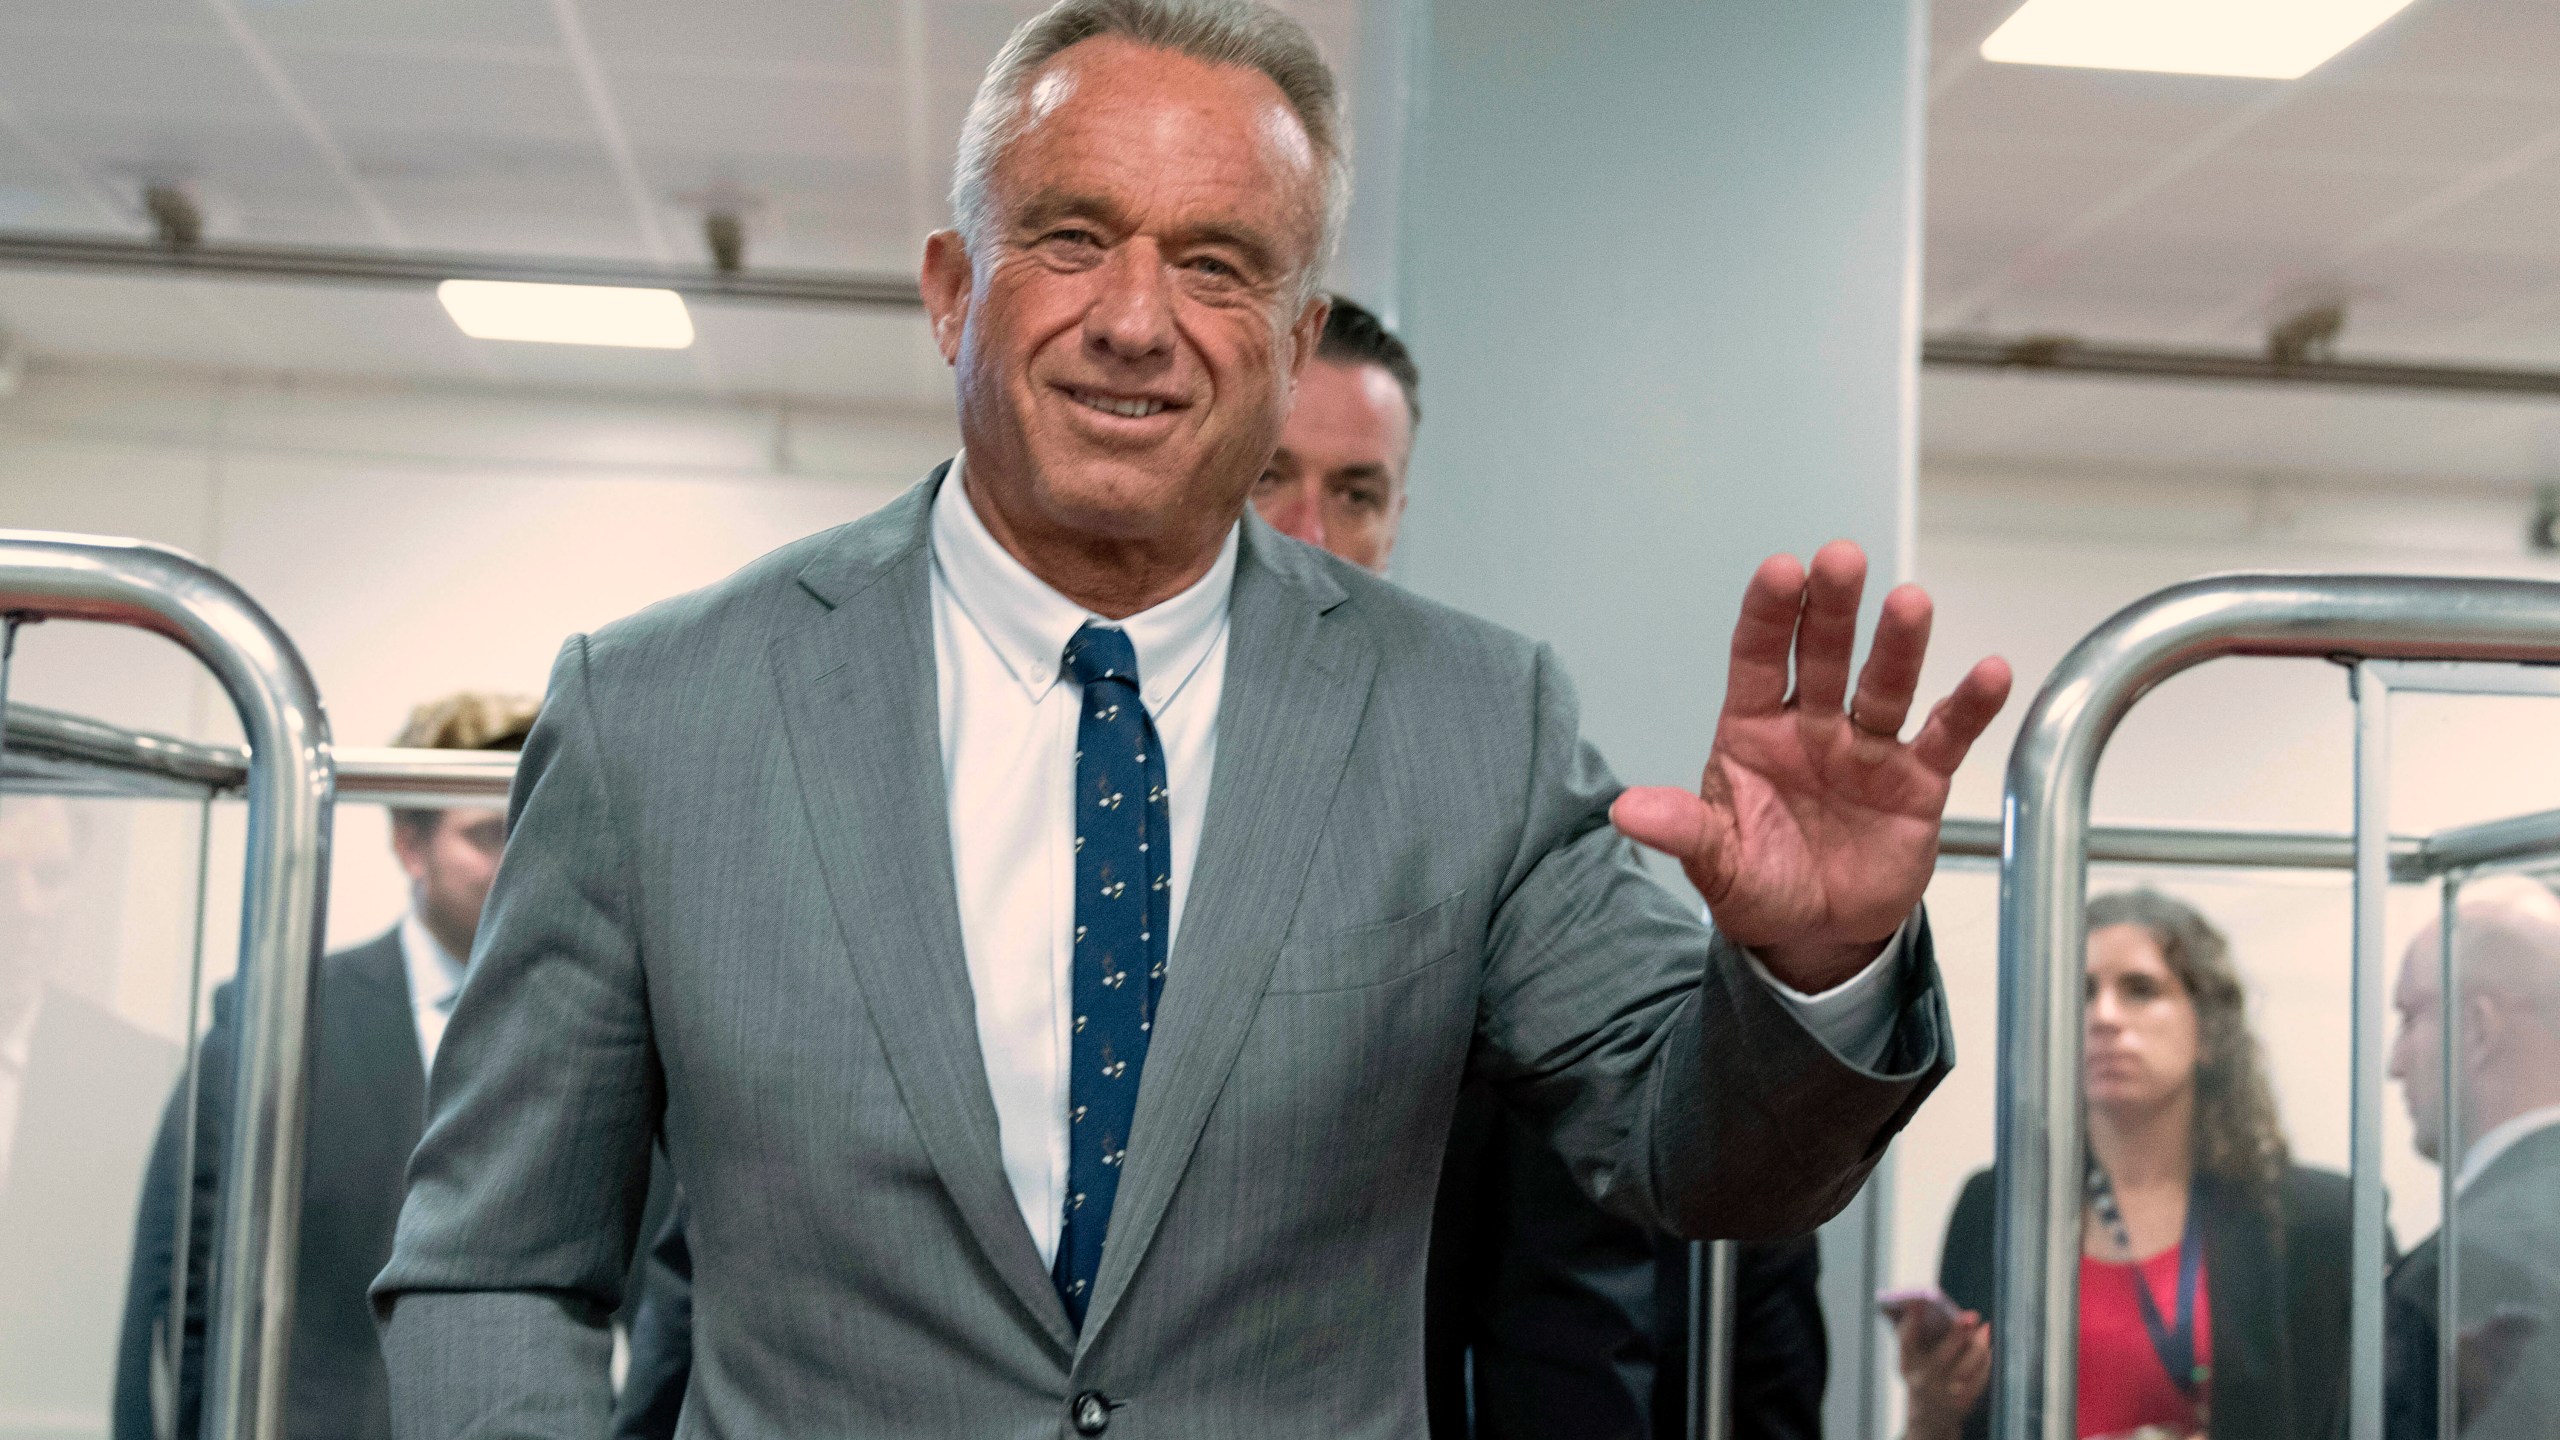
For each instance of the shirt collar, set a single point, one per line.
(1028, 624)
(434, 975)
(2487, 1150)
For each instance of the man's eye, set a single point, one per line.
(1213, 268)
(1270, 480)
(1071, 238)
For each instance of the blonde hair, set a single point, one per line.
(466, 720)
(469, 720)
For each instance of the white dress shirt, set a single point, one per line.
(1009, 721)
(435, 978)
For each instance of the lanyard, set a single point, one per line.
(2175, 1345)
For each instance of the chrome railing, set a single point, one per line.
(287, 778)
(2373, 624)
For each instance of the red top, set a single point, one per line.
(2123, 1386)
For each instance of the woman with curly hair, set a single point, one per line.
(2213, 1270)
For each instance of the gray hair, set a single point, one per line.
(1215, 32)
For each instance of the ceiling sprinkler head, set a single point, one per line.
(727, 237)
(174, 214)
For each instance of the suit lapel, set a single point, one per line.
(859, 706)
(382, 1034)
(2252, 1389)
(1297, 681)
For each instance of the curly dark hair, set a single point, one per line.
(2238, 1138)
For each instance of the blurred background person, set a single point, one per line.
(380, 1013)
(78, 1085)
(2506, 1151)
(2213, 1272)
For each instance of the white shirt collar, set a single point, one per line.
(2487, 1150)
(1028, 624)
(434, 975)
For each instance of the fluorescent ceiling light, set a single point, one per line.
(2268, 39)
(568, 314)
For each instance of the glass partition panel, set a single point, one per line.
(98, 943)
(2265, 1056)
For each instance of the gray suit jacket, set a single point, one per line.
(727, 915)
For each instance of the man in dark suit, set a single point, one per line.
(1547, 1316)
(78, 1086)
(2505, 1143)
(380, 1016)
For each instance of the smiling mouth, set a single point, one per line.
(1127, 407)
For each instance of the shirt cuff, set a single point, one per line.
(1854, 1018)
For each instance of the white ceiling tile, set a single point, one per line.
(836, 32)
(2070, 112)
(838, 116)
(421, 100)
(372, 23)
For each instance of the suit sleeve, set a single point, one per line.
(1682, 1093)
(661, 1337)
(147, 1285)
(527, 1188)
(144, 1335)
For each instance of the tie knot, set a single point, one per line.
(1099, 652)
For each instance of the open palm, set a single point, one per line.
(1815, 827)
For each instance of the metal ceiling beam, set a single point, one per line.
(24, 250)
(2062, 355)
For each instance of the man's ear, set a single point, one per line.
(945, 282)
(1306, 333)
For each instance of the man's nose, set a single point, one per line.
(1132, 317)
(1298, 513)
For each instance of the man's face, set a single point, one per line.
(450, 865)
(38, 854)
(1337, 480)
(1127, 330)
(2416, 1046)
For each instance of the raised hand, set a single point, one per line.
(1815, 828)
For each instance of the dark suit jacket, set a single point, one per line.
(367, 1104)
(76, 1154)
(1576, 1322)
(2278, 1288)
(2510, 1247)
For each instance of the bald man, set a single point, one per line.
(2505, 1145)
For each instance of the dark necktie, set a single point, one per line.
(1124, 902)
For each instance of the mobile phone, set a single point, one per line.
(1927, 1306)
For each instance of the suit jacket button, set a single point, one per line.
(1092, 1412)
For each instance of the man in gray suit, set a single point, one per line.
(1048, 920)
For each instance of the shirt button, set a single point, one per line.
(1092, 1412)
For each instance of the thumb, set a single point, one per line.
(1666, 818)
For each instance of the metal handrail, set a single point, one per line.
(2044, 887)
(289, 782)
(377, 775)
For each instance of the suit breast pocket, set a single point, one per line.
(1372, 954)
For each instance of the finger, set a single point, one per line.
(1828, 633)
(1892, 671)
(1668, 819)
(1762, 636)
(1961, 718)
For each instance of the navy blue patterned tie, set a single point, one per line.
(1124, 902)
